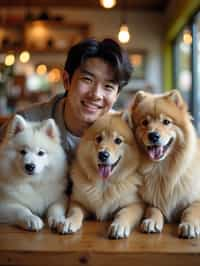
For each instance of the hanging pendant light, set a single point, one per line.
(124, 35)
(108, 3)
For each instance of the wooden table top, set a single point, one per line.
(90, 246)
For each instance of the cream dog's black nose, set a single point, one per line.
(103, 156)
(154, 137)
(30, 167)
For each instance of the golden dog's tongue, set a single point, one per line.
(156, 152)
(105, 170)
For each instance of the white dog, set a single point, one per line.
(32, 175)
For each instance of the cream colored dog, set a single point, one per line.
(32, 175)
(104, 178)
(170, 154)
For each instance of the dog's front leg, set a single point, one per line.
(17, 214)
(56, 213)
(74, 220)
(153, 222)
(125, 220)
(190, 221)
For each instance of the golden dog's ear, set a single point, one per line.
(137, 98)
(176, 98)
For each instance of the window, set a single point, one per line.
(186, 67)
(196, 70)
(183, 64)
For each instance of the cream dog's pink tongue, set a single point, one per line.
(156, 152)
(105, 170)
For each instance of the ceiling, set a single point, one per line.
(147, 5)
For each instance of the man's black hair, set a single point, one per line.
(108, 50)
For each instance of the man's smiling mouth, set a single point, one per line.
(91, 106)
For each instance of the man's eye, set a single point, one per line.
(109, 87)
(87, 79)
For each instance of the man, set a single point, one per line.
(94, 74)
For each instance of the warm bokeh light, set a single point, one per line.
(24, 57)
(37, 34)
(136, 59)
(9, 59)
(187, 37)
(41, 69)
(108, 3)
(54, 75)
(123, 34)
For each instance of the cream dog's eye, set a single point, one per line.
(145, 122)
(166, 122)
(23, 152)
(41, 153)
(118, 141)
(99, 139)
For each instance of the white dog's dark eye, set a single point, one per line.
(23, 152)
(41, 153)
(145, 122)
(99, 139)
(118, 141)
(166, 122)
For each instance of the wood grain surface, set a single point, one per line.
(90, 246)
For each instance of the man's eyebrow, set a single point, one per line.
(85, 71)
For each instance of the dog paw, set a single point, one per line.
(69, 226)
(31, 223)
(118, 230)
(188, 230)
(55, 221)
(151, 226)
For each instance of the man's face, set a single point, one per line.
(91, 92)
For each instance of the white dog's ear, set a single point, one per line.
(126, 116)
(18, 124)
(51, 130)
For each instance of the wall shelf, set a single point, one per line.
(41, 36)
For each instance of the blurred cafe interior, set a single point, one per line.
(162, 38)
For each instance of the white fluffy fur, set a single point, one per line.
(25, 197)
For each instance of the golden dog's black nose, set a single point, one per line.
(103, 156)
(154, 137)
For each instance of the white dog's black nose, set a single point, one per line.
(30, 167)
(154, 137)
(103, 156)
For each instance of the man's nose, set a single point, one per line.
(96, 91)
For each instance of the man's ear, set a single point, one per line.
(66, 80)
(117, 96)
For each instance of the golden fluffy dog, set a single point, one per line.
(104, 178)
(170, 162)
